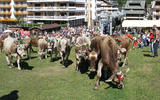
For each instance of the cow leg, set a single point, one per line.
(62, 58)
(68, 53)
(18, 63)
(77, 62)
(45, 53)
(125, 59)
(56, 53)
(51, 56)
(111, 78)
(39, 55)
(29, 52)
(99, 73)
(8, 61)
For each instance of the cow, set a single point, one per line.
(1, 45)
(42, 48)
(124, 48)
(81, 48)
(12, 49)
(27, 46)
(104, 49)
(53, 45)
(34, 42)
(65, 48)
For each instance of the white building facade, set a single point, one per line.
(70, 12)
(10, 10)
(155, 8)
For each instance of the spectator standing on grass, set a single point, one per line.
(155, 41)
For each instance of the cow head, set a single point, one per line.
(93, 56)
(20, 50)
(120, 52)
(50, 46)
(82, 51)
(120, 76)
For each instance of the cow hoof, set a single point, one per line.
(19, 68)
(96, 88)
(10, 67)
(120, 86)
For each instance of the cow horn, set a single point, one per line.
(125, 70)
(123, 50)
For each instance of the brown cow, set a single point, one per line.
(125, 46)
(27, 46)
(81, 48)
(106, 48)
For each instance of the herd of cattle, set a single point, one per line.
(102, 52)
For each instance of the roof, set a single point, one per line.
(47, 26)
(140, 4)
(140, 23)
(50, 26)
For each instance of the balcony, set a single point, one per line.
(20, 6)
(55, 8)
(56, 18)
(20, 13)
(5, 6)
(80, 1)
(5, 0)
(5, 13)
(19, 0)
(7, 19)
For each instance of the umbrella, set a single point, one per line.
(8, 31)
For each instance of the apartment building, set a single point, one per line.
(10, 10)
(135, 9)
(155, 8)
(110, 5)
(70, 12)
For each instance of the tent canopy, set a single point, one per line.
(140, 23)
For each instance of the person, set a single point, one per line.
(155, 41)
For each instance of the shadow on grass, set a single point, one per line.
(13, 95)
(148, 55)
(111, 85)
(31, 58)
(91, 75)
(146, 51)
(55, 59)
(66, 63)
(83, 66)
(24, 65)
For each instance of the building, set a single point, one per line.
(70, 12)
(155, 8)
(95, 10)
(135, 10)
(110, 5)
(11, 10)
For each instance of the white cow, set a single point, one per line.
(42, 48)
(65, 48)
(12, 49)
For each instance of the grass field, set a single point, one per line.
(44, 80)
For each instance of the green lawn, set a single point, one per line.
(50, 81)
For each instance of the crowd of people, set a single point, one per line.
(139, 36)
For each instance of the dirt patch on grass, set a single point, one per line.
(155, 83)
(49, 71)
